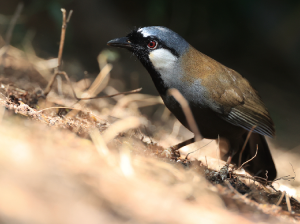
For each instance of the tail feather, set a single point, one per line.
(262, 165)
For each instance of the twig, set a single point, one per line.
(197, 149)
(291, 214)
(263, 180)
(249, 159)
(293, 171)
(69, 16)
(99, 143)
(86, 111)
(59, 85)
(250, 201)
(60, 52)
(66, 20)
(288, 202)
(100, 82)
(108, 96)
(255, 178)
(63, 35)
(280, 199)
(287, 177)
(244, 146)
(187, 112)
(267, 177)
(51, 82)
(48, 88)
(119, 127)
(49, 108)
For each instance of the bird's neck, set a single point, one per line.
(159, 83)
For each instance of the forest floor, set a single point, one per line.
(69, 161)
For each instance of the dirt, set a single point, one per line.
(127, 179)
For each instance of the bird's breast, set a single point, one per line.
(186, 73)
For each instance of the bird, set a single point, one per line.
(223, 103)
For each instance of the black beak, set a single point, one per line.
(122, 42)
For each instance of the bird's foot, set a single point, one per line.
(224, 172)
(171, 153)
(218, 176)
(166, 152)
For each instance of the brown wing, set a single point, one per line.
(239, 104)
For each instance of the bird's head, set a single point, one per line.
(157, 47)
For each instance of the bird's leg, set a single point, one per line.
(224, 170)
(228, 160)
(174, 149)
(182, 144)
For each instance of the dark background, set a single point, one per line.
(259, 39)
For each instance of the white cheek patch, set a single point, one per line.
(163, 60)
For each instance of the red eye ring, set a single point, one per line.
(152, 44)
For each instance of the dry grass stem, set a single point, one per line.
(94, 88)
(288, 202)
(99, 83)
(102, 78)
(245, 143)
(125, 161)
(60, 52)
(53, 78)
(121, 126)
(63, 35)
(249, 159)
(59, 85)
(198, 149)
(99, 142)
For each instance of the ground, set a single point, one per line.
(98, 164)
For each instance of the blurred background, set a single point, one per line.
(259, 39)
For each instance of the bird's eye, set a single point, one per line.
(152, 44)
